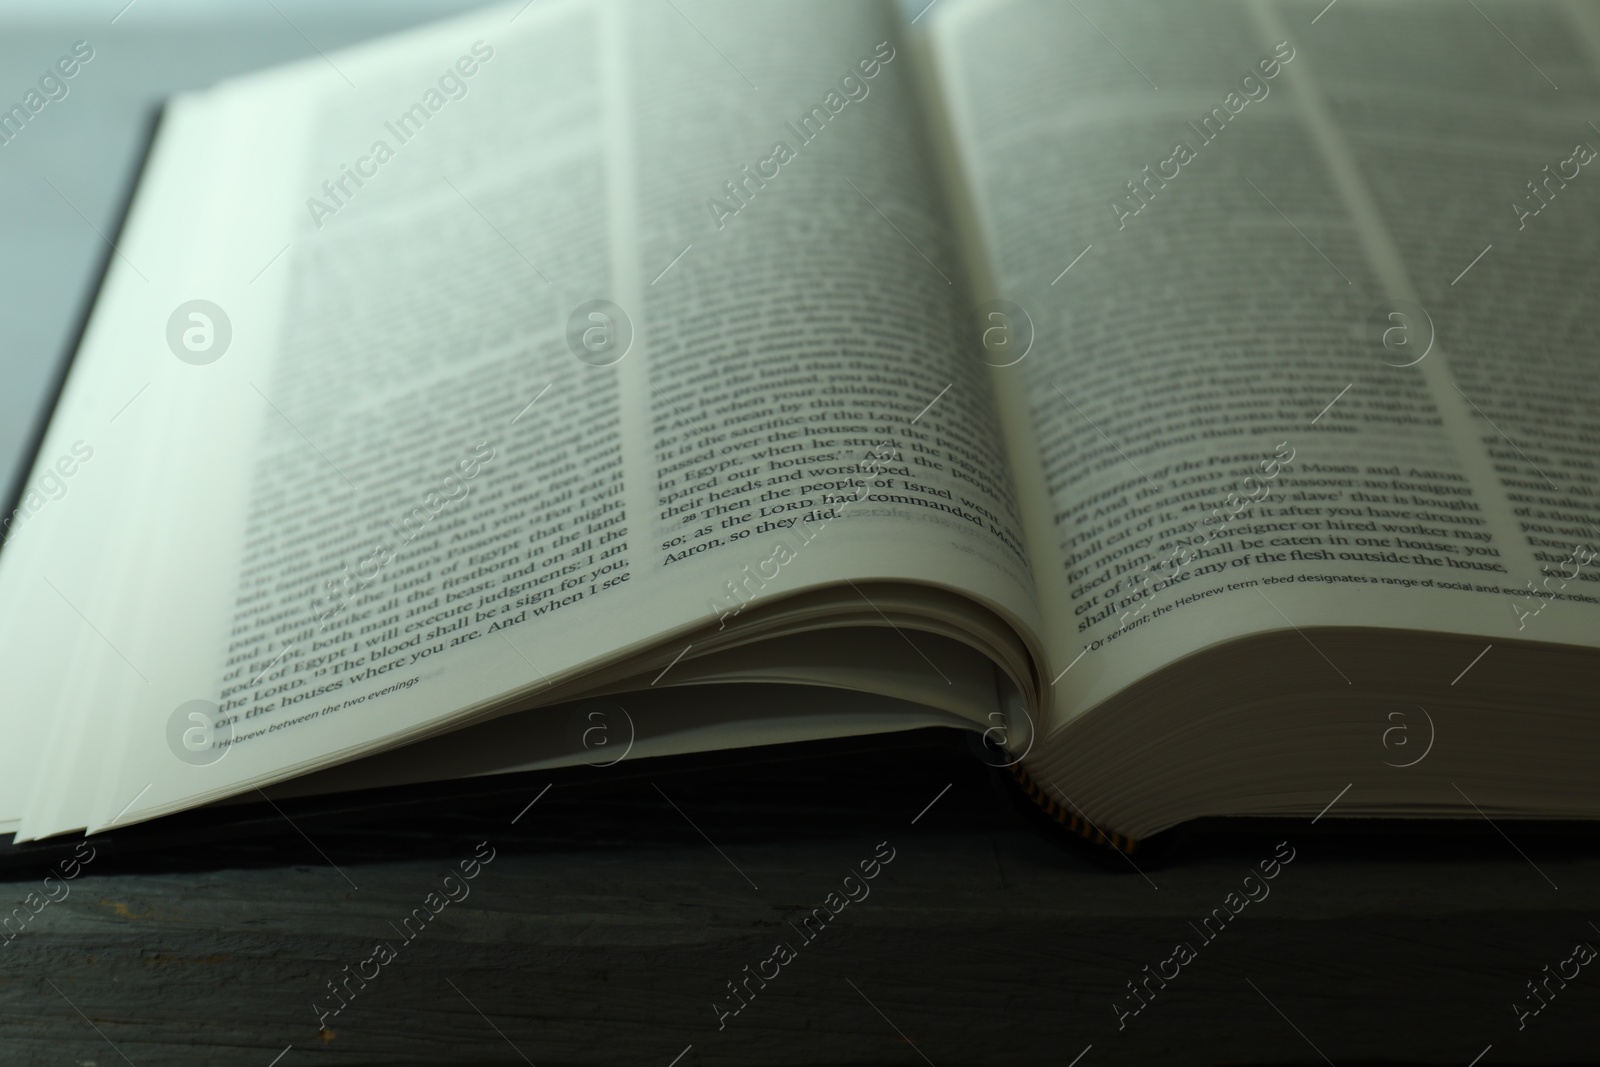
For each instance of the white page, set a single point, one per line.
(1250, 303)
(569, 89)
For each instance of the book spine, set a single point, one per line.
(1070, 820)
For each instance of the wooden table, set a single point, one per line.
(611, 918)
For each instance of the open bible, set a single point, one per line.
(1194, 403)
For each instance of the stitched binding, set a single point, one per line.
(1068, 819)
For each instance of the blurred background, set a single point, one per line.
(145, 51)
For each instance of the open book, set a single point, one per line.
(1167, 396)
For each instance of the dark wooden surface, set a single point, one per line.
(607, 925)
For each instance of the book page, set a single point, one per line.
(1260, 395)
(508, 348)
